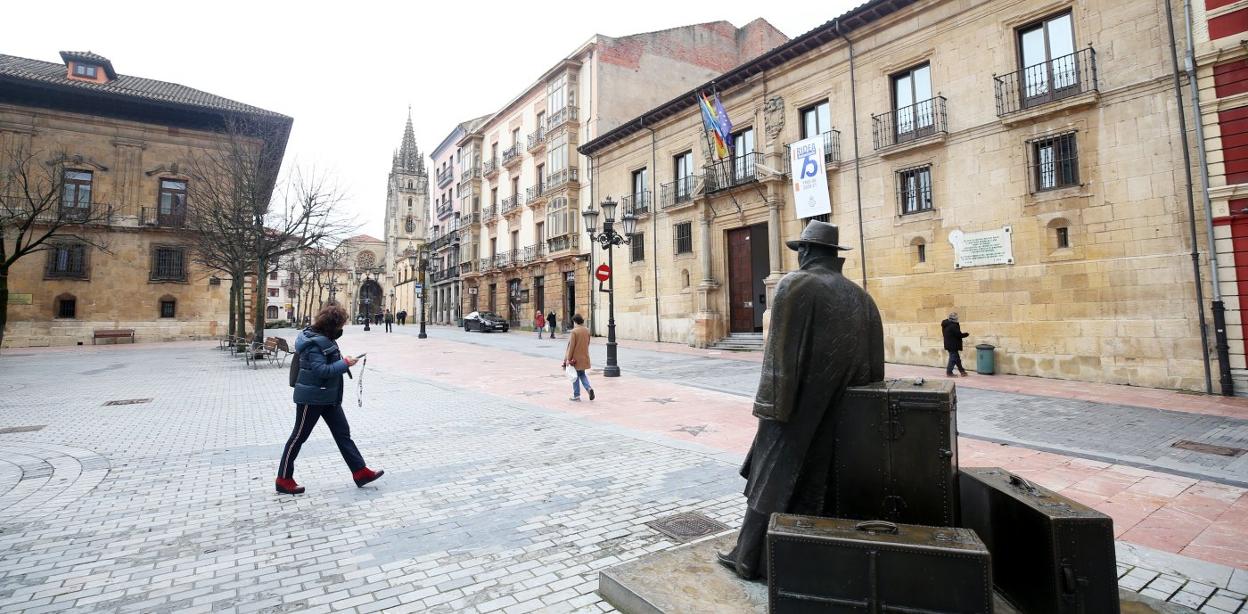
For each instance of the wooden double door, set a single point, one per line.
(748, 265)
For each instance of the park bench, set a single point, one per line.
(112, 333)
(240, 344)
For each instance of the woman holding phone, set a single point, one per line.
(318, 394)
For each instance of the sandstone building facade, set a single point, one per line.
(124, 144)
(520, 183)
(1048, 127)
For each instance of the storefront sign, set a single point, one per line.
(983, 248)
(810, 178)
(21, 299)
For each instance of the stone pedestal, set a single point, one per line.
(687, 580)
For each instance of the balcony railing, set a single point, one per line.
(510, 204)
(466, 268)
(532, 253)
(535, 193)
(471, 172)
(490, 168)
(679, 192)
(485, 265)
(505, 259)
(831, 150)
(637, 204)
(560, 117)
(537, 138)
(911, 123)
(151, 216)
(558, 179)
(489, 215)
(565, 242)
(445, 177)
(444, 209)
(444, 241)
(511, 155)
(735, 171)
(1069, 75)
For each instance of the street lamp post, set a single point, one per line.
(420, 262)
(608, 239)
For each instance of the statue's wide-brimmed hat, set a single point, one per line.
(819, 233)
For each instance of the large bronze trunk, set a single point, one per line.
(897, 453)
(1050, 554)
(831, 565)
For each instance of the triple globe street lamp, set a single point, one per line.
(608, 239)
(419, 260)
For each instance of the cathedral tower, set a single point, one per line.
(407, 199)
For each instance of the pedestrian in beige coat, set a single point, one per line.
(577, 356)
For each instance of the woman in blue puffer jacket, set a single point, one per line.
(318, 394)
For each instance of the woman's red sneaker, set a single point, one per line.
(365, 476)
(287, 486)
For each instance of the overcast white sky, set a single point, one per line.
(346, 71)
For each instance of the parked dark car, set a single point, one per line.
(484, 321)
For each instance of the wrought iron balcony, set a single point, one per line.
(831, 150)
(560, 117)
(732, 172)
(560, 179)
(148, 216)
(489, 215)
(444, 241)
(537, 138)
(510, 204)
(472, 172)
(505, 259)
(533, 253)
(445, 209)
(535, 193)
(563, 243)
(445, 177)
(467, 268)
(911, 123)
(490, 168)
(1057, 79)
(511, 155)
(485, 265)
(468, 219)
(637, 204)
(679, 192)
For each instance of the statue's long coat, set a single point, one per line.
(825, 336)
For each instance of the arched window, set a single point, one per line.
(168, 306)
(1059, 233)
(410, 225)
(637, 285)
(684, 278)
(409, 203)
(271, 312)
(918, 249)
(66, 306)
(409, 186)
(365, 260)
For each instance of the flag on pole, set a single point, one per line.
(725, 124)
(712, 126)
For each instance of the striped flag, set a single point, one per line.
(711, 123)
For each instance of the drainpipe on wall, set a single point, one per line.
(654, 222)
(853, 98)
(589, 288)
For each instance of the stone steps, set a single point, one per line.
(740, 342)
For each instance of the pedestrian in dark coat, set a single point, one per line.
(826, 336)
(318, 394)
(402, 317)
(550, 321)
(953, 334)
(389, 321)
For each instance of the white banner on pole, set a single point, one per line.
(810, 178)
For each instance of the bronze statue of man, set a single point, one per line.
(825, 336)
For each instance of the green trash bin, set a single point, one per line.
(985, 359)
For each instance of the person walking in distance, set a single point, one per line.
(953, 334)
(539, 323)
(318, 394)
(577, 357)
(389, 321)
(550, 321)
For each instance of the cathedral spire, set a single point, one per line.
(409, 157)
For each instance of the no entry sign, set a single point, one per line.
(603, 273)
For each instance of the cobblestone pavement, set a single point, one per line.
(489, 504)
(1115, 433)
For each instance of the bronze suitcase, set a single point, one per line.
(1050, 554)
(830, 565)
(896, 453)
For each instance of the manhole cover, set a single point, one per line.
(1207, 448)
(128, 402)
(22, 429)
(687, 526)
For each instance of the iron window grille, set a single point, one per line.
(1054, 162)
(637, 243)
(920, 252)
(66, 308)
(169, 264)
(914, 189)
(67, 261)
(168, 308)
(1063, 237)
(683, 237)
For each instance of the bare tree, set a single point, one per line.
(40, 211)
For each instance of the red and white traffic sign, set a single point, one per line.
(603, 273)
